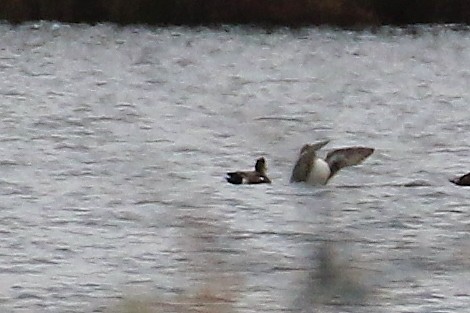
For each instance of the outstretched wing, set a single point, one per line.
(314, 146)
(303, 166)
(304, 163)
(339, 158)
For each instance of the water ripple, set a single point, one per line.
(112, 176)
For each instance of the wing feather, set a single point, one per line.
(462, 180)
(317, 146)
(303, 166)
(339, 158)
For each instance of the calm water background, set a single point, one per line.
(114, 142)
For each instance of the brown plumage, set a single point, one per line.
(339, 158)
(462, 180)
(258, 176)
(316, 171)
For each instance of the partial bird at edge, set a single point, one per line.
(463, 180)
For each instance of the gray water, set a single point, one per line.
(114, 143)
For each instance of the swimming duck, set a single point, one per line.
(462, 180)
(258, 176)
(316, 171)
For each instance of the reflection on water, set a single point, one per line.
(114, 143)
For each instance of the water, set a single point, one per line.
(114, 143)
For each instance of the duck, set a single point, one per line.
(313, 170)
(461, 180)
(258, 176)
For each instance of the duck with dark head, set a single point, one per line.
(258, 176)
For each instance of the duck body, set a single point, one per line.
(461, 180)
(258, 176)
(313, 170)
(238, 178)
(320, 173)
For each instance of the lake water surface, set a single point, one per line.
(114, 143)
